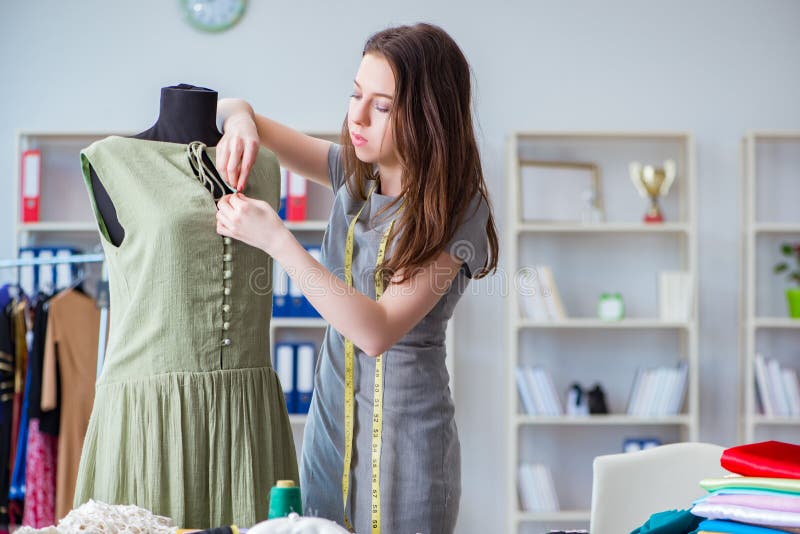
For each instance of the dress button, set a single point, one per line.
(226, 342)
(226, 275)
(227, 257)
(226, 325)
(226, 308)
(226, 240)
(227, 291)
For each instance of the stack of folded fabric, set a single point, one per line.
(763, 497)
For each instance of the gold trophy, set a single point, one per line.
(653, 182)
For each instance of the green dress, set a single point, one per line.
(189, 419)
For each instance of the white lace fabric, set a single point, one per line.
(100, 518)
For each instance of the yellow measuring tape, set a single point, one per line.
(349, 388)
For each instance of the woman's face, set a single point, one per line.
(368, 116)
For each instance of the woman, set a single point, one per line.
(380, 447)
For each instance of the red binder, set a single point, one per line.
(296, 199)
(31, 184)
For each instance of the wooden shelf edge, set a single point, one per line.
(565, 515)
(598, 323)
(598, 420)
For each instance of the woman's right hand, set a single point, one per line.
(238, 149)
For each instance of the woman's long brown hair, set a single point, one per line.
(431, 119)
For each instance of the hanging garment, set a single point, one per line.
(18, 331)
(40, 484)
(6, 401)
(40, 488)
(189, 419)
(420, 466)
(16, 490)
(70, 359)
(49, 420)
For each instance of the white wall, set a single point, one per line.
(715, 68)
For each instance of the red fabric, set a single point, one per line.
(40, 483)
(766, 459)
(14, 513)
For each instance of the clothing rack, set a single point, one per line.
(75, 258)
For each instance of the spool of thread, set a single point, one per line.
(284, 499)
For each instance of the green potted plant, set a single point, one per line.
(792, 252)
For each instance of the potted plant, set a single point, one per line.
(792, 252)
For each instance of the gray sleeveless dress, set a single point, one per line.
(420, 463)
(189, 419)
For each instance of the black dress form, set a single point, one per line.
(188, 113)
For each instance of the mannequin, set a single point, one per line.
(188, 113)
(187, 351)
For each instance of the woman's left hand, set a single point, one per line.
(251, 221)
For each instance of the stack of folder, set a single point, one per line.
(294, 364)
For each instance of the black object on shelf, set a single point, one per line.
(597, 400)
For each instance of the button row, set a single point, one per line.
(227, 273)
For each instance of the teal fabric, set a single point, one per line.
(189, 419)
(670, 522)
(732, 527)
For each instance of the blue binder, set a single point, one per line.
(285, 369)
(280, 291)
(304, 367)
(308, 309)
(284, 188)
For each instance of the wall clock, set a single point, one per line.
(213, 15)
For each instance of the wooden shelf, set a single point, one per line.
(776, 228)
(298, 419)
(601, 420)
(603, 228)
(546, 517)
(588, 323)
(776, 420)
(602, 135)
(298, 322)
(306, 226)
(53, 226)
(776, 322)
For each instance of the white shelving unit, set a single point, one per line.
(770, 162)
(65, 212)
(620, 254)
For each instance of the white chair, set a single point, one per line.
(628, 488)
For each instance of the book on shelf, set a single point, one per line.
(296, 197)
(31, 185)
(658, 391)
(540, 299)
(284, 193)
(675, 295)
(537, 492)
(537, 391)
(778, 387)
(288, 299)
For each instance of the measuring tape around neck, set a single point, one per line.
(349, 387)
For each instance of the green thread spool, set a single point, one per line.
(284, 499)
